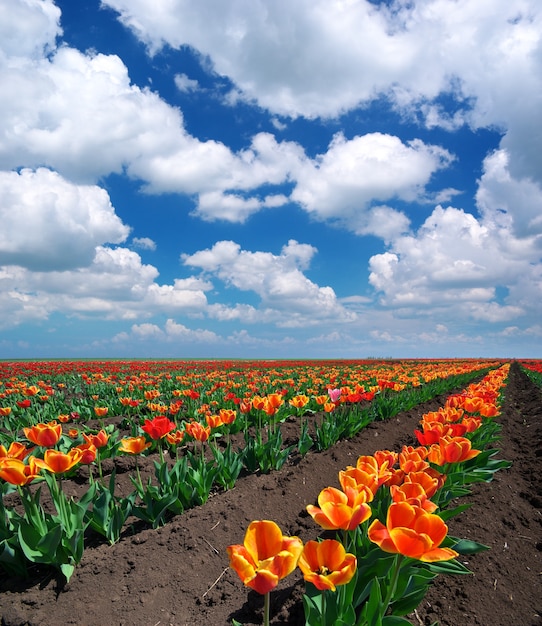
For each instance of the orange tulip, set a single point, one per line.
(16, 450)
(428, 479)
(228, 416)
(15, 472)
(326, 564)
(5, 411)
(265, 557)
(45, 435)
(31, 391)
(214, 421)
(198, 431)
(299, 401)
(245, 406)
(338, 510)
(175, 438)
(471, 423)
(100, 411)
(134, 445)
(413, 532)
(60, 462)
(99, 440)
(414, 494)
(451, 450)
(359, 481)
(413, 459)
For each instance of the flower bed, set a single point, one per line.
(170, 574)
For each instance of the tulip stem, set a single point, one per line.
(266, 608)
(393, 583)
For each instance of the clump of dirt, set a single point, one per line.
(178, 575)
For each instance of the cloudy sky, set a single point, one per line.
(268, 178)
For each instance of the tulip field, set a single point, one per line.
(369, 493)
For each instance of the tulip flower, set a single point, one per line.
(33, 390)
(299, 401)
(59, 462)
(326, 564)
(16, 450)
(5, 411)
(451, 450)
(99, 440)
(175, 438)
(24, 404)
(214, 421)
(197, 431)
(158, 427)
(412, 532)
(89, 453)
(429, 479)
(46, 435)
(265, 557)
(100, 411)
(413, 459)
(134, 445)
(228, 416)
(360, 481)
(15, 472)
(414, 494)
(338, 510)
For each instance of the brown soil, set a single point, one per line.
(178, 574)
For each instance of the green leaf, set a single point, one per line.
(39, 548)
(467, 546)
(67, 569)
(447, 514)
(394, 620)
(447, 567)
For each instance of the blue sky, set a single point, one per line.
(270, 179)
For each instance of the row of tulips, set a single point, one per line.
(188, 390)
(57, 539)
(389, 518)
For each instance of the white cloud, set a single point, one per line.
(49, 223)
(454, 264)
(172, 332)
(144, 243)
(511, 202)
(343, 182)
(38, 26)
(484, 56)
(277, 279)
(115, 286)
(69, 106)
(185, 84)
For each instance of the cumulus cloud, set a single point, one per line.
(38, 26)
(342, 183)
(172, 332)
(49, 223)
(350, 53)
(70, 106)
(511, 202)
(115, 286)
(455, 263)
(278, 280)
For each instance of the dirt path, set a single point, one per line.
(178, 575)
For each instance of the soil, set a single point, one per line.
(178, 575)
